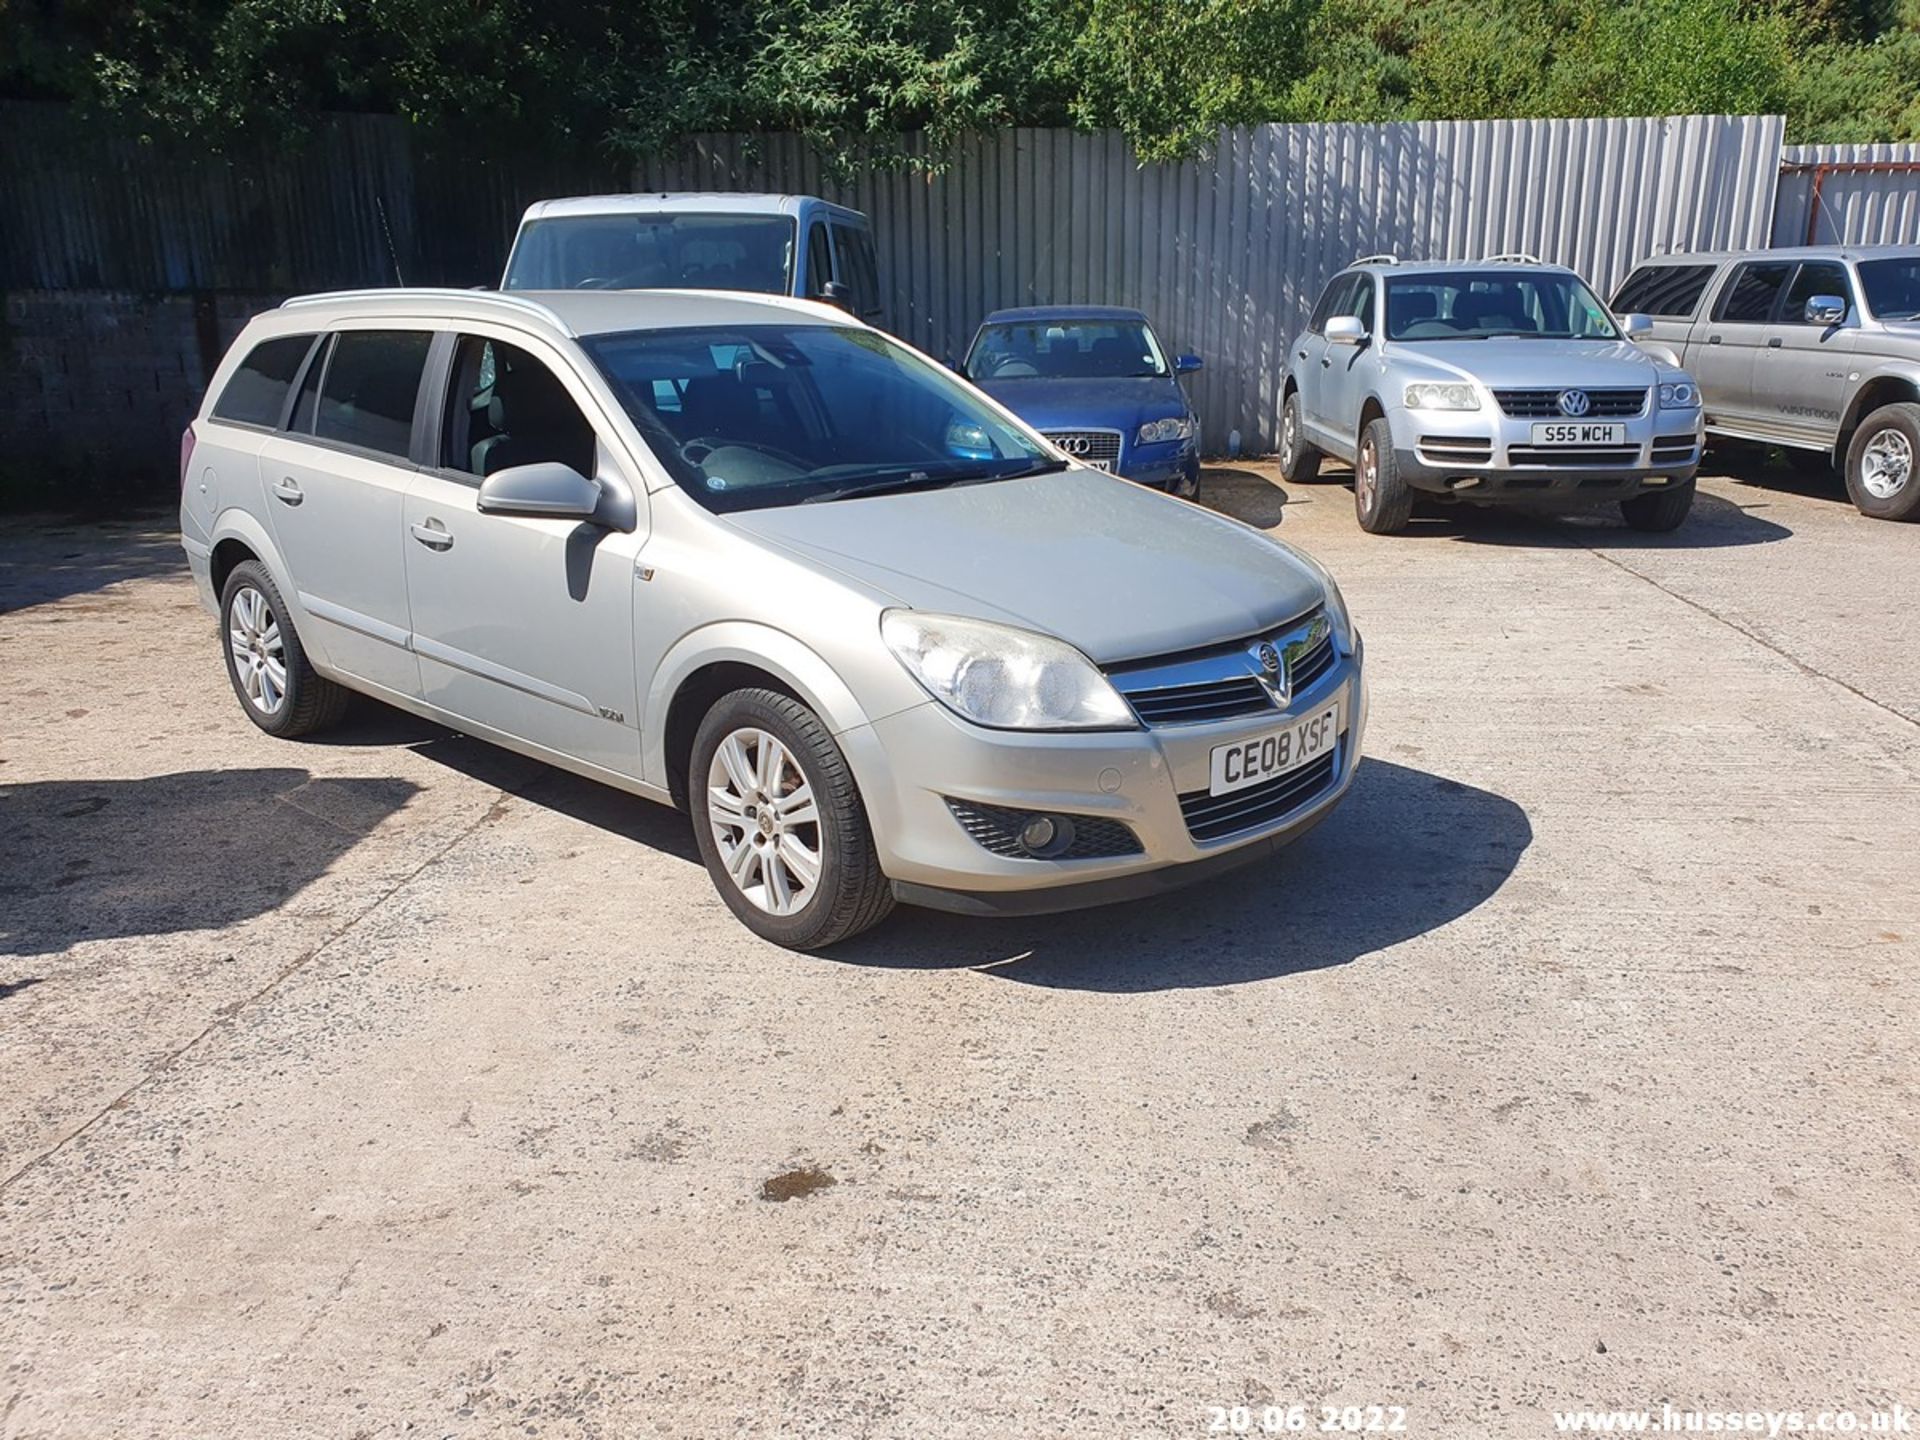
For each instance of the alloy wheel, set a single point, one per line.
(1886, 465)
(1366, 475)
(765, 821)
(259, 652)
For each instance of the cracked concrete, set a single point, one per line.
(396, 1085)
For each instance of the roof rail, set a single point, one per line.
(1513, 257)
(1381, 259)
(485, 297)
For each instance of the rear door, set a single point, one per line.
(1669, 295)
(1723, 357)
(335, 484)
(1310, 361)
(1800, 373)
(524, 626)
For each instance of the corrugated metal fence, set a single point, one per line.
(1848, 194)
(1228, 253)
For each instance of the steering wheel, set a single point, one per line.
(594, 282)
(707, 444)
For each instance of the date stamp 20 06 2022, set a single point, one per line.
(1305, 1419)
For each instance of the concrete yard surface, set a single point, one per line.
(393, 1085)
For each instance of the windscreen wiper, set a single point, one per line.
(929, 480)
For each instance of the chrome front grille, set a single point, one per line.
(1096, 447)
(1223, 682)
(1215, 817)
(1545, 404)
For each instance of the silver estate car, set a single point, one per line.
(1815, 349)
(750, 557)
(1487, 382)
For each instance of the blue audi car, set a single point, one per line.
(1097, 382)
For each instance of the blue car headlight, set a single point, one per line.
(1160, 432)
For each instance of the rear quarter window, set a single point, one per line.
(1667, 292)
(257, 393)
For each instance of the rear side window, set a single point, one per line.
(1670, 292)
(857, 267)
(372, 382)
(257, 393)
(1748, 298)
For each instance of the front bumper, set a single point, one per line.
(1173, 466)
(1489, 456)
(910, 764)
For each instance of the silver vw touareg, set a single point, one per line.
(1486, 381)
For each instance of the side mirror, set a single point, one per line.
(1636, 326)
(1826, 310)
(1186, 364)
(1346, 330)
(547, 491)
(837, 292)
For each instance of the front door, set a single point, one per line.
(1800, 372)
(1344, 377)
(336, 483)
(1726, 347)
(524, 626)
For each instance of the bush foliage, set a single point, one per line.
(627, 78)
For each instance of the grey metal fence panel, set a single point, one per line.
(1227, 253)
(1866, 195)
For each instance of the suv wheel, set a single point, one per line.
(280, 691)
(1381, 498)
(1659, 510)
(1881, 463)
(780, 823)
(1299, 461)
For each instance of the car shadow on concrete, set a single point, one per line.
(196, 850)
(1246, 495)
(1789, 472)
(1406, 852)
(45, 560)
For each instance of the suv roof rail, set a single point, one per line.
(1381, 259)
(1513, 257)
(488, 297)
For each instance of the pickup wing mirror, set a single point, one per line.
(1636, 326)
(1826, 310)
(1346, 330)
(837, 292)
(547, 490)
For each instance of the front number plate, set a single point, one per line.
(1577, 432)
(1265, 757)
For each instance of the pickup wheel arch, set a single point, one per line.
(1881, 390)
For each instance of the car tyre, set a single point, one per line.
(1381, 496)
(1658, 511)
(1299, 461)
(1883, 463)
(278, 687)
(780, 823)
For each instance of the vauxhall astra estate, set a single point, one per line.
(750, 557)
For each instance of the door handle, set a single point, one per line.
(433, 535)
(1303, 354)
(1326, 363)
(1775, 343)
(1713, 339)
(288, 489)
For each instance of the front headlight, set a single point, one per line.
(1006, 678)
(1678, 395)
(1158, 432)
(1441, 397)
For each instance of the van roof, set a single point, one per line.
(722, 202)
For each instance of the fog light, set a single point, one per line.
(1038, 833)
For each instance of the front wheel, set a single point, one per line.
(1658, 511)
(780, 823)
(1382, 499)
(1881, 478)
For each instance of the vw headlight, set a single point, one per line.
(1678, 395)
(1006, 678)
(1441, 397)
(1158, 432)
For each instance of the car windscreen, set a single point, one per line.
(1481, 304)
(670, 250)
(1892, 287)
(750, 416)
(1065, 349)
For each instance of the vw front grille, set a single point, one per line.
(1545, 404)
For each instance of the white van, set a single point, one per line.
(769, 244)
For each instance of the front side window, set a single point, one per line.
(1066, 349)
(819, 261)
(257, 393)
(1484, 304)
(1333, 301)
(506, 408)
(761, 415)
(1820, 277)
(368, 393)
(663, 251)
(1360, 303)
(1892, 287)
(1748, 298)
(1669, 292)
(857, 266)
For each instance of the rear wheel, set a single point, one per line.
(1299, 461)
(1381, 498)
(780, 823)
(1659, 510)
(1881, 463)
(278, 688)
